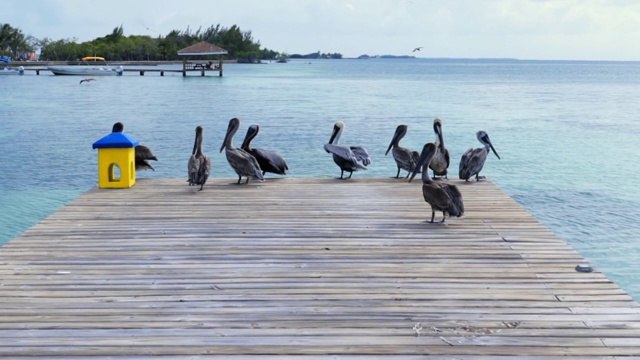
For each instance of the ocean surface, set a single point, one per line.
(568, 133)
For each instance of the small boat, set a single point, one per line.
(90, 65)
(12, 71)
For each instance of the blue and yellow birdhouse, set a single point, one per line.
(116, 161)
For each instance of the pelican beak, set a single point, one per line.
(394, 139)
(336, 129)
(494, 151)
(487, 141)
(438, 128)
(401, 131)
(423, 158)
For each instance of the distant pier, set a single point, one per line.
(297, 268)
(190, 67)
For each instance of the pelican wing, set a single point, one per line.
(443, 197)
(343, 152)
(456, 207)
(405, 158)
(144, 153)
(472, 162)
(244, 163)
(204, 169)
(361, 154)
(192, 169)
(270, 161)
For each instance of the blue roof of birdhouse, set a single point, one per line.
(115, 140)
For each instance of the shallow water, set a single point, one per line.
(566, 131)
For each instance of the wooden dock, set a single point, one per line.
(141, 71)
(303, 269)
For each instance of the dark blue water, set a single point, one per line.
(567, 132)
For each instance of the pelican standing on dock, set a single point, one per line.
(199, 165)
(440, 195)
(406, 159)
(440, 162)
(269, 161)
(142, 153)
(241, 161)
(473, 160)
(346, 157)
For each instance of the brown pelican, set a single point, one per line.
(346, 157)
(406, 159)
(269, 161)
(440, 195)
(473, 160)
(199, 165)
(87, 80)
(440, 162)
(241, 161)
(142, 153)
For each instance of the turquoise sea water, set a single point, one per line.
(567, 133)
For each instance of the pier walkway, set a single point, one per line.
(303, 269)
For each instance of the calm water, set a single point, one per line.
(567, 133)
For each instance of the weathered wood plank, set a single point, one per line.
(303, 269)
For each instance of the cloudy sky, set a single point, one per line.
(523, 29)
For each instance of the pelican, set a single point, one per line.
(142, 153)
(199, 166)
(269, 161)
(440, 162)
(241, 161)
(440, 195)
(87, 80)
(406, 159)
(346, 157)
(473, 160)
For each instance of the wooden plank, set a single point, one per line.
(303, 269)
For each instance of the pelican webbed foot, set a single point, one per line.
(481, 178)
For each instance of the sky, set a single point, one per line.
(522, 29)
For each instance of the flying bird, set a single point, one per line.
(87, 80)
(417, 49)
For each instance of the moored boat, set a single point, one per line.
(12, 71)
(90, 65)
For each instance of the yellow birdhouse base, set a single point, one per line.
(116, 168)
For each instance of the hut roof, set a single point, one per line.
(202, 48)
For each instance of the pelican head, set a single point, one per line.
(118, 127)
(401, 131)
(437, 128)
(199, 131)
(428, 152)
(483, 137)
(252, 132)
(234, 124)
(337, 131)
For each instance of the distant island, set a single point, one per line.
(365, 56)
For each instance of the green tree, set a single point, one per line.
(13, 42)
